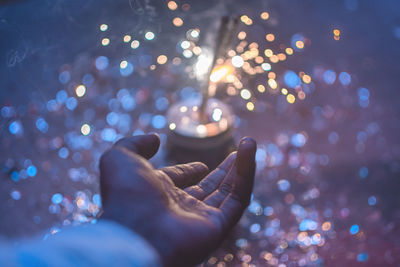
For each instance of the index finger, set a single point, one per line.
(238, 199)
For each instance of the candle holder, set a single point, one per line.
(200, 136)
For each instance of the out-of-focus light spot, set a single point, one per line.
(250, 106)
(126, 68)
(301, 95)
(362, 257)
(283, 185)
(237, 61)
(300, 44)
(101, 62)
(264, 15)
(326, 226)
(217, 114)
(354, 229)
(149, 36)
(103, 27)
(80, 90)
(42, 125)
(161, 103)
(289, 51)
(123, 64)
(183, 109)
(178, 22)
(266, 66)
(336, 34)
(261, 88)
(135, 44)
(306, 78)
(16, 128)
(272, 83)
(71, 103)
(31, 171)
(63, 153)
(195, 33)
(57, 198)
(105, 41)
(185, 45)
(219, 73)
(241, 35)
(7, 112)
(87, 79)
(201, 130)
(255, 228)
(284, 91)
(162, 59)
(187, 54)
(268, 52)
(246, 20)
(127, 38)
(108, 134)
(308, 224)
(329, 76)
(372, 200)
(298, 140)
(281, 57)
(290, 98)
(172, 126)
(16, 195)
(274, 58)
(333, 138)
(15, 176)
(85, 129)
(172, 5)
(363, 172)
(270, 37)
(344, 78)
(291, 79)
(112, 118)
(64, 77)
(245, 94)
(158, 121)
(363, 97)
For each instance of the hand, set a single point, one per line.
(183, 216)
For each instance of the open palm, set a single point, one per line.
(183, 214)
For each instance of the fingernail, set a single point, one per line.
(248, 141)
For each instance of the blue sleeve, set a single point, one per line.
(103, 244)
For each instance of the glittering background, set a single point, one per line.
(316, 85)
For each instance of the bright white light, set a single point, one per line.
(80, 90)
(201, 130)
(245, 94)
(237, 61)
(103, 27)
(149, 36)
(194, 34)
(266, 66)
(187, 54)
(123, 64)
(217, 114)
(202, 66)
(185, 44)
(85, 129)
(172, 126)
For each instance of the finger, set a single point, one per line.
(143, 145)
(236, 175)
(184, 175)
(211, 182)
(238, 199)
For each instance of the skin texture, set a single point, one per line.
(180, 211)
